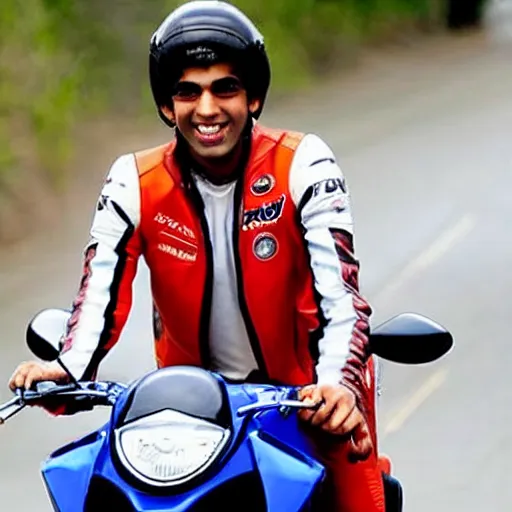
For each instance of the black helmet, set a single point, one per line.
(211, 28)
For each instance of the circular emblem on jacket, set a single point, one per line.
(265, 246)
(263, 185)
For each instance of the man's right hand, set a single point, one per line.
(35, 371)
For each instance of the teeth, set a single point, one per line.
(208, 129)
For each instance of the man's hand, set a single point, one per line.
(338, 415)
(34, 371)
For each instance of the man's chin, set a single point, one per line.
(220, 152)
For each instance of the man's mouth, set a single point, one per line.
(211, 133)
(209, 129)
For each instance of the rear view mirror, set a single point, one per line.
(410, 338)
(45, 331)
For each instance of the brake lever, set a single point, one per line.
(42, 390)
(298, 404)
(98, 393)
(106, 394)
(284, 405)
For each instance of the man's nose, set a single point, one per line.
(207, 106)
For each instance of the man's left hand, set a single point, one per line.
(339, 415)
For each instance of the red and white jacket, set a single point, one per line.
(257, 274)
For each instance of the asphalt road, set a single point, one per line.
(424, 135)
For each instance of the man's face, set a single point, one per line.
(210, 109)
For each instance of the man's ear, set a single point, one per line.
(254, 105)
(169, 114)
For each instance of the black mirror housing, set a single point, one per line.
(410, 338)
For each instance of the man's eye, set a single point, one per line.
(184, 91)
(226, 87)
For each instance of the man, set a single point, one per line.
(247, 233)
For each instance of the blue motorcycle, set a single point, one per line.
(184, 439)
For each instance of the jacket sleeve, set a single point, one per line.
(104, 298)
(319, 191)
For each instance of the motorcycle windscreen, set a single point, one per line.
(68, 473)
(289, 482)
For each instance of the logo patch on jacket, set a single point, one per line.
(329, 186)
(263, 185)
(174, 226)
(186, 254)
(264, 215)
(265, 246)
(176, 239)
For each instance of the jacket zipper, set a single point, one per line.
(249, 326)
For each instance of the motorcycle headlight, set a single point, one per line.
(168, 447)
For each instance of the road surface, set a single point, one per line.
(425, 138)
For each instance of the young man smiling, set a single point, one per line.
(248, 236)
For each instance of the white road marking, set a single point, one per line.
(439, 247)
(434, 382)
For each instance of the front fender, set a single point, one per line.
(68, 471)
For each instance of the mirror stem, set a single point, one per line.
(70, 375)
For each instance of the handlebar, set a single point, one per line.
(85, 397)
(100, 393)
